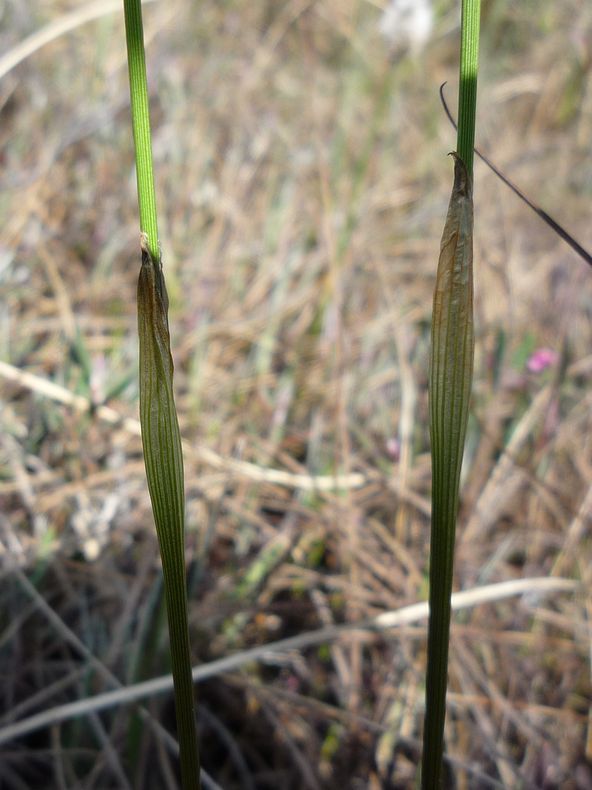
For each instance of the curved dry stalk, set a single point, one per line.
(59, 27)
(414, 613)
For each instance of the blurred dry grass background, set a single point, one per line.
(302, 184)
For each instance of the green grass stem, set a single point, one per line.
(161, 438)
(136, 60)
(469, 67)
(450, 377)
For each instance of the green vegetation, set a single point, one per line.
(302, 180)
(451, 375)
(161, 438)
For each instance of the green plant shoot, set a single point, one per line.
(161, 438)
(450, 376)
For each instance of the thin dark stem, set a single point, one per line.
(559, 230)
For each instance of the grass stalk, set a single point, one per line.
(467, 95)
(161, 438)
(451, 370)
(136, 62)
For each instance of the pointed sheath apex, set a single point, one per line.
(463, 183)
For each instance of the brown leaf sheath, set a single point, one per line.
(451, 369)
(451, 364)
(163, 458)
(160, 428)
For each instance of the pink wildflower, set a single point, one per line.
(393, 448)
(541, 359)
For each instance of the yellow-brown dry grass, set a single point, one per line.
(302, 184)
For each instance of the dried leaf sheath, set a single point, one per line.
(451, 369)
(451, 363)
(164, 470)
(160, 429)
